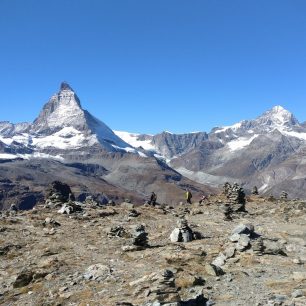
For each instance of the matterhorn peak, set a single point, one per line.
(65, 86)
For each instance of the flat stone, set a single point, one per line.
(219, 261)
(175, 236)
(234, 238)
(299, 276)
(297, 293)
(243, 229)
(229, 252)
(244, 240)
(97, 272)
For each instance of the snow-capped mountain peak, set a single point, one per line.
(276, 117)
(63, 109)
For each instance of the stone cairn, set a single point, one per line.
(182, 233)
(58, 193)
(255, 190)
(91, 202)
(236, 200)
(284, 195)
(244, 238)
(117, 231)
(226, 188)
(164, 291)
(140, 236)
(138, 239)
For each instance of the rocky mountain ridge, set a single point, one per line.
(266, 152)
(67, 143)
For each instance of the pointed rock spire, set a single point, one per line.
(65, 86)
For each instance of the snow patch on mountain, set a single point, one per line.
(66, 138)
(232, 127)
(30, 156)
(134, 141)
(240, 143)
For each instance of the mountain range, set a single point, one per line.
(67, 143)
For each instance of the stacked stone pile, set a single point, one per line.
(182, 233)
(133, 213)
(164, 290)
(255, 190)
(284, 195)
(236, 198)
(245, 238)
(138, 239)
(118, 231)
(140, 236)
(226, 188)
(91, 202)
(57, 194)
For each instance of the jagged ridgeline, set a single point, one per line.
(66, 143)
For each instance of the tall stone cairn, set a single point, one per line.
(255, 190)
(236, 198)
(226, 187)
(165, 291)
(284, 195)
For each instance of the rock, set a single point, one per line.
(133, 213)
(23, 279)
(234, 238)
(219, 261)
(182, 233)
(229, 252)
(127, 205)
(297, 293)
(258, 246)
(69, 208)
(176, 236)
(246, 229)
(51, 221)
(244, 240)
(118, 231)
(213, 270)
(273, 248)
(97, 272)
(299, 276)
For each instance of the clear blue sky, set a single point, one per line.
(154, 65)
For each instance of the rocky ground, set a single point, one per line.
(123, 255)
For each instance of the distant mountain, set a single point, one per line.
(266, 152)
(64, 140)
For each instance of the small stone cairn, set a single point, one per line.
(226, 188)
(236, 200)
(117, 231)
(284, 195)
(182, 233)
(164, 291)
(255, 190)
(138, 239)
(140, 236)
(58, 193)
(91, 202)
(242, 235)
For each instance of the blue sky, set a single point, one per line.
(149, 66)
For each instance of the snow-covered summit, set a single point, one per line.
(63, 109)
(63, 125)
(276, 117)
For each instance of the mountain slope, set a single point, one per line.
(248, 152)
